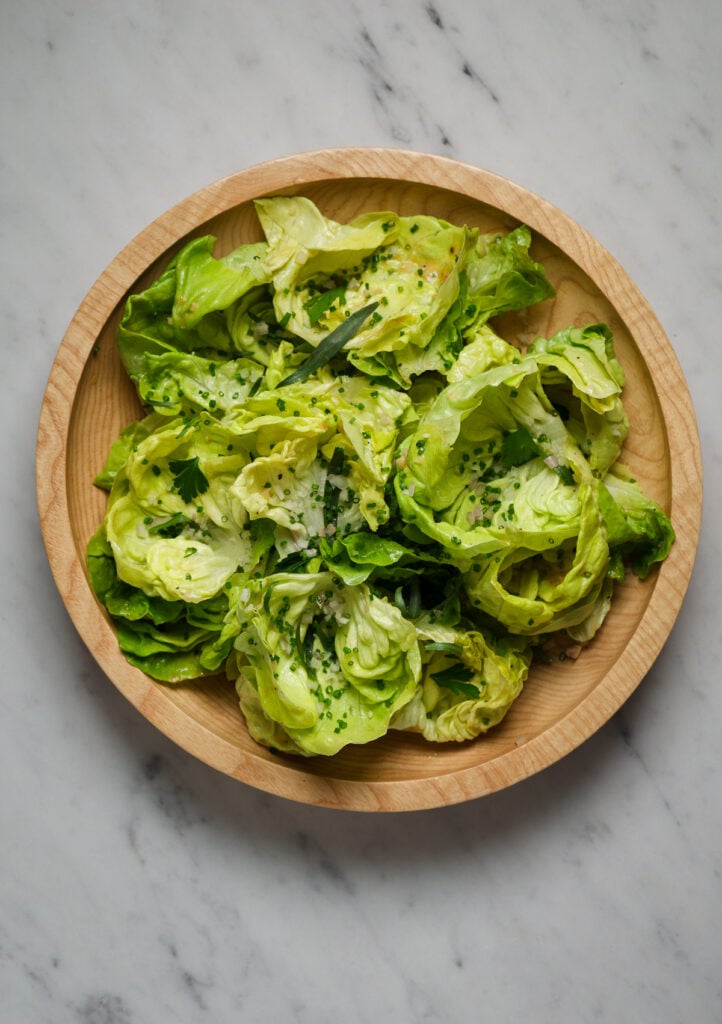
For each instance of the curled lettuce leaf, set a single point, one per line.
(466, 460)
(187, 308)
(636, 526)
(330, 664)
(171, 641)
(503, 276)
(207, 285)
(323, 271)
(408, 264)
(174, 528)
(541, 591)
(178, 382)
(469, 683)
(346, 428)
(582, 376)
(122, 447)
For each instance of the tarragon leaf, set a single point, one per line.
(319, 304)
(440, 645)
(331, 345)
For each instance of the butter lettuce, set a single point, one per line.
(469, 682)
(176, 382)
(475, 473)
(503, 276)
(431, 279)
(636, 525)
(191, 304)
(582, 376)
(173, 527)
(410, 265)
(537, 590)
(172, 641)
(324, 663)
(348, 493)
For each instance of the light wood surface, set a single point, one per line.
(89, 399)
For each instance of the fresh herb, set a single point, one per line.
(189, 479)
(446, 648)
(518, 447)
(295, 562)
(320, 304)
(173, 526)
(456, 678)
(565, 475)
(331, 345)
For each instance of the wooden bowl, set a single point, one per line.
(89, 399)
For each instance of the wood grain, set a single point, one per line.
(89, 399)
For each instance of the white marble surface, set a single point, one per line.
(137, 885)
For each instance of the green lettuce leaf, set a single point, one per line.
(176, 383)
(541, 591)
(469, 683)
(410, 266)
(460, 480)
(503, 277)
(206, 285)
(169, 640)
(583, 378)
(635, 525)
(330, 664)
(187, 308)
(175, 535)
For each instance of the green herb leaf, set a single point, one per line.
(189, 478)
(414, 605)
(321, 303)
(456, 678)
(331, 345)
(565, 474)
(439, 645)
(295, 562)
(173, 526)
(518, 447)
(330, 491)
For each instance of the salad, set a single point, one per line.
(349, 493)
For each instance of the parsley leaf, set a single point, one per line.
(518, 447)
(189, 478)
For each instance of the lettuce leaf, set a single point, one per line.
(330, 664)
(635, 524)
(469, 683)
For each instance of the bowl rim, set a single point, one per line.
(294, 172)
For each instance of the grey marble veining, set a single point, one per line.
(137, 885)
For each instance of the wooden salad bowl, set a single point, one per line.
(89, 398)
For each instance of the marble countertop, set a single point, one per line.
(138, 885)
